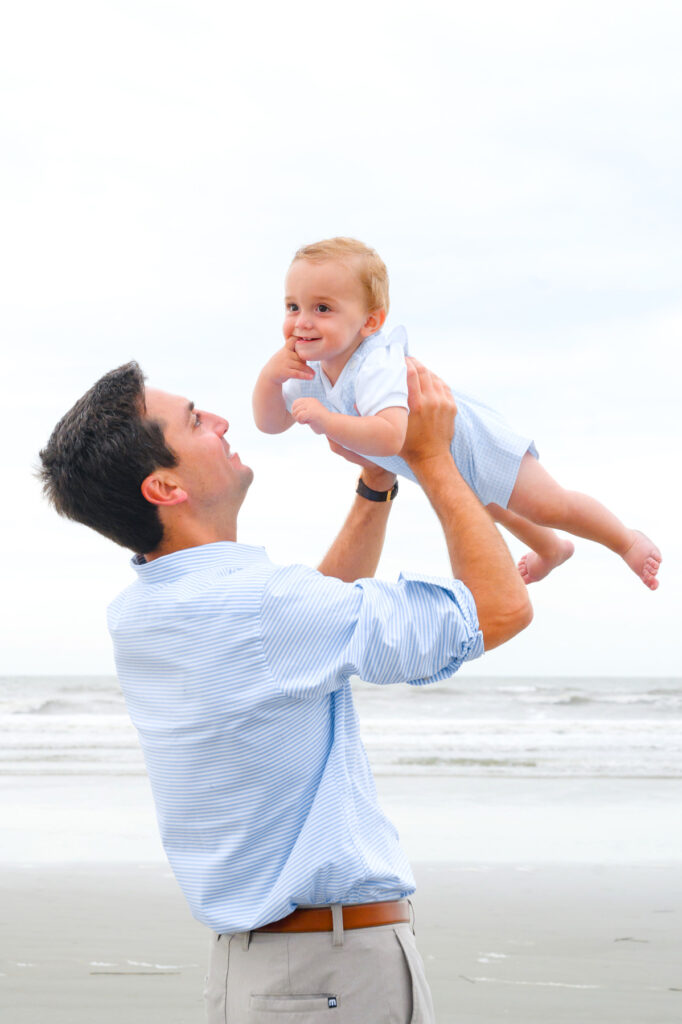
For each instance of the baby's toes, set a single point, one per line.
(650, 570)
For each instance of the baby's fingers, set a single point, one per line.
(301, 410)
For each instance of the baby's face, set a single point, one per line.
(325, 311)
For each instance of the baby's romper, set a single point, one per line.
(486, 451)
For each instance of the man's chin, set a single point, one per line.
(246, 474)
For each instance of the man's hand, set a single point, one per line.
(431, 423)
(312, 413)
(286, 364)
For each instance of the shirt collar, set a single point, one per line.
(227, 554)
(375, 340)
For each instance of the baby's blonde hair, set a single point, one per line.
(369, 266)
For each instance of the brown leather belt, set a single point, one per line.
(356, 915)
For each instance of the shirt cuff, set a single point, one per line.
(397, 399)
(471, 646)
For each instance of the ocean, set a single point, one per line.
(482, 727)
(472, 771)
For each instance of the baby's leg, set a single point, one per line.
(538, 497)
(548, 549)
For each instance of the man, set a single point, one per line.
(236, 675)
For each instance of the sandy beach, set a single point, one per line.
(539, 900)
(542, 821)
(110, 942)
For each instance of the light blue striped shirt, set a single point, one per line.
(236, 674)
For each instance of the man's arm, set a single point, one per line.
(478, 555)
(355, 553)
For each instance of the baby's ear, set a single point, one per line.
(374, 322)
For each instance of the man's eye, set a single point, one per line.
(322, 307)
(197, 419)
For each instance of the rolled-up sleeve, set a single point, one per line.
(318, 631)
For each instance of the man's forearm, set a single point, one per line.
(478, 555)
(356, 551)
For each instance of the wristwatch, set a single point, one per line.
(366, 492)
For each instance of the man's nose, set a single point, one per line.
(217, 424)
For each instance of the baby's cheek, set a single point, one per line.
(288, 326)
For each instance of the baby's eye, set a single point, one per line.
(322, 307)
(197, 420)
(291, 307)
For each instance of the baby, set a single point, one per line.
(338, 373)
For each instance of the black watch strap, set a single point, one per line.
(366, 492)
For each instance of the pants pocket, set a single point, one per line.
(422, 1003)
(293, 1004)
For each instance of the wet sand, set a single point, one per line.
(526, 944)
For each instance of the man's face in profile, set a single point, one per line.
(207, 468)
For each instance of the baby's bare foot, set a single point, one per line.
(644, 558)
(534, 567)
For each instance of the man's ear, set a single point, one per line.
(158, 489)
(374, 322)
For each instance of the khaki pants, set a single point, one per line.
(357, 976)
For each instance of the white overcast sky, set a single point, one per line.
(518, 166)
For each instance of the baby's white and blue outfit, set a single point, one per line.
(486, 451)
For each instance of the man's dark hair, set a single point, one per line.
(98, 455)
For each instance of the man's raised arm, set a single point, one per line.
(478, 555)
(355, 553)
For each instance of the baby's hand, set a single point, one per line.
(285, 365)
(312, 412)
